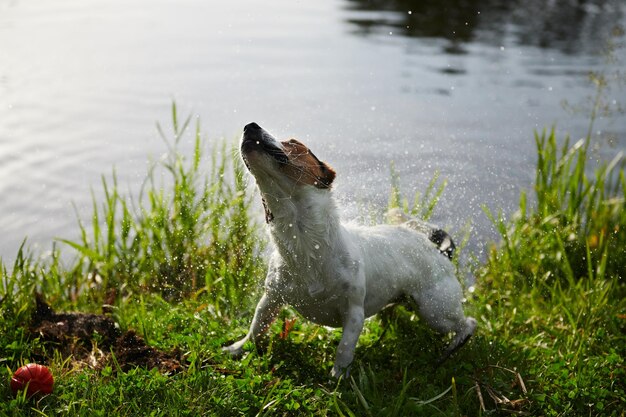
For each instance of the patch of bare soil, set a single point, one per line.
(92, 339)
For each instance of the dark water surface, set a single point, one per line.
(455, 86)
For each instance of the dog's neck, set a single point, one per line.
(304, 225)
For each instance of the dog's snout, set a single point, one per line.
(255, 138)
(251, 127)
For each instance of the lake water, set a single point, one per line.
(457, 87)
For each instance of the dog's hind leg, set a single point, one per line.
(441, 308)
(460, 338)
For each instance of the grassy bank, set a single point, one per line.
(179, 265)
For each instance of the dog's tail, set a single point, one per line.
(437, 235)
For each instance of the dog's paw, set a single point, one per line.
(340, 372)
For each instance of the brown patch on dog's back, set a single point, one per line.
(304, 167)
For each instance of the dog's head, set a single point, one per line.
(282, 167)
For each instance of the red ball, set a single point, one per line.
(37, 379)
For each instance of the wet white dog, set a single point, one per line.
(336, 274)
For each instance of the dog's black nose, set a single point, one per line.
(251, 126)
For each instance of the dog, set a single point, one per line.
(337, 274)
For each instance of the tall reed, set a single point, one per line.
(187, 233)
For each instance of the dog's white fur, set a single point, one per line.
(338, 274)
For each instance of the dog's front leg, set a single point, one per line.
(352, 327)
(266, 311)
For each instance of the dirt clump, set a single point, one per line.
(92, 339)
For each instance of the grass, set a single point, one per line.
(555, 287)
(180, 264)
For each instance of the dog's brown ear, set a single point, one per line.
(326, 177)
(319, 174)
